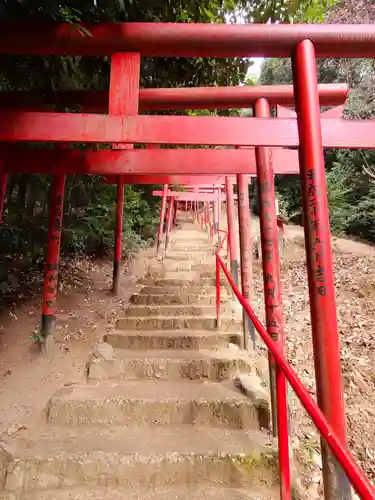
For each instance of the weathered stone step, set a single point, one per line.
(182, 282)
(54, 458)
(190, 247)
(164, 299)
(184, 290)
(143, 493)
(152, 402)
(213, 365)
(173, 255)
(172, 339)
(177, 323)
(170, 310)
(189, 238)
(187, 265)
(187, 229)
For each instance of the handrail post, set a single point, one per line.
(319, 262)
(272, 300)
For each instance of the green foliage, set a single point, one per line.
(276, 71)
(88, 226)
(350, 174)
(351, 194)
(89, 209)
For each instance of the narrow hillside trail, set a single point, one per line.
(354, 268)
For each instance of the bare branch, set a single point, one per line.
(368, 171)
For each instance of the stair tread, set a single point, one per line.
(146, 441)
(162, 294)
(185, 332)
(170, 310)
(173, 306)
(126, 493)
(190, 288)
(151, 390)
(185, 316)
(222, 353)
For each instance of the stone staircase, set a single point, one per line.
(159, 416)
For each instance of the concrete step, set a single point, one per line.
(61, 457)
(195, 279)
(152, 402)
(189, 238)
(164, 299)
(172, 339)
(144, 493)
(170, 310)
(188, 266)
(227, 323)
(187, 247)
(215, 365)
(182, 291)
(173, 255)
(190, 246)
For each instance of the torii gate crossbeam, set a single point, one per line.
(189, 39)
(171, 98)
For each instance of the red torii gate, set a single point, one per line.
(304, 43)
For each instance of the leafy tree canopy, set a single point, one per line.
(350, 173)
(68, 72)
(89, 204)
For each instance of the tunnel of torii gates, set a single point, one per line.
(247, 146)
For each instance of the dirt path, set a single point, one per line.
(354, 268)
(86, 310)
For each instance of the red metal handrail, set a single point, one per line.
(355, 475)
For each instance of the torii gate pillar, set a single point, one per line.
(319, 263)
(231, 221)
(244, 223)
(123, 100)
(162, 217)
(272, 298)
(56, 208)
